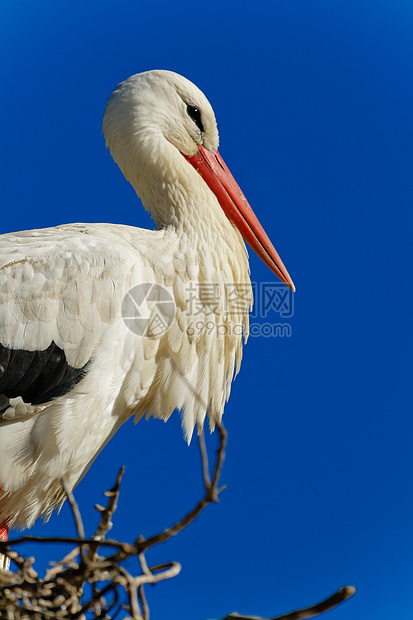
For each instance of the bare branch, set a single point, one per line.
(131, 587)
(211, 495)
(141, 589)
(106, 514)
(75, 509)
(59, 566)
(125, 547)
(204, 457)
(223, 435)
(167, 571)
(144, 602)
(307, 612)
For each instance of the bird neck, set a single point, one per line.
(180, 201)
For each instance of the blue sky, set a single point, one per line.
(314, 105)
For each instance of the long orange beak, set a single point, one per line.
(217, 176)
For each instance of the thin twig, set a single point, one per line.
(75, 509)
(223, 435)
(204, 457)
(125, 547)
(166, 571)
(106, 514)
(77, 516)
(143, 563)
(211, 495)
(59, 566)
(131, 588)
(307, 612)
(141, 589)
(110, 586)
(113, 604)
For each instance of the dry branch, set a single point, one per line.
(306, 612)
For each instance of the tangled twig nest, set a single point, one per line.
(91, 582)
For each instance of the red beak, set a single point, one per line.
(217, 176)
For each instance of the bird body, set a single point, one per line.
(72, 369)
(68, 286)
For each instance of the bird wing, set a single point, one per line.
(59, 288)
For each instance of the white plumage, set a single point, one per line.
(65, 286)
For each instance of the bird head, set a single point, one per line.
(159, 128)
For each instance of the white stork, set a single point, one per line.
(71, 371)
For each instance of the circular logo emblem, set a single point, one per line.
(148, 310)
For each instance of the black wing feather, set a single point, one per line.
(37, 376)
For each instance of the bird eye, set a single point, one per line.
(195, 114)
